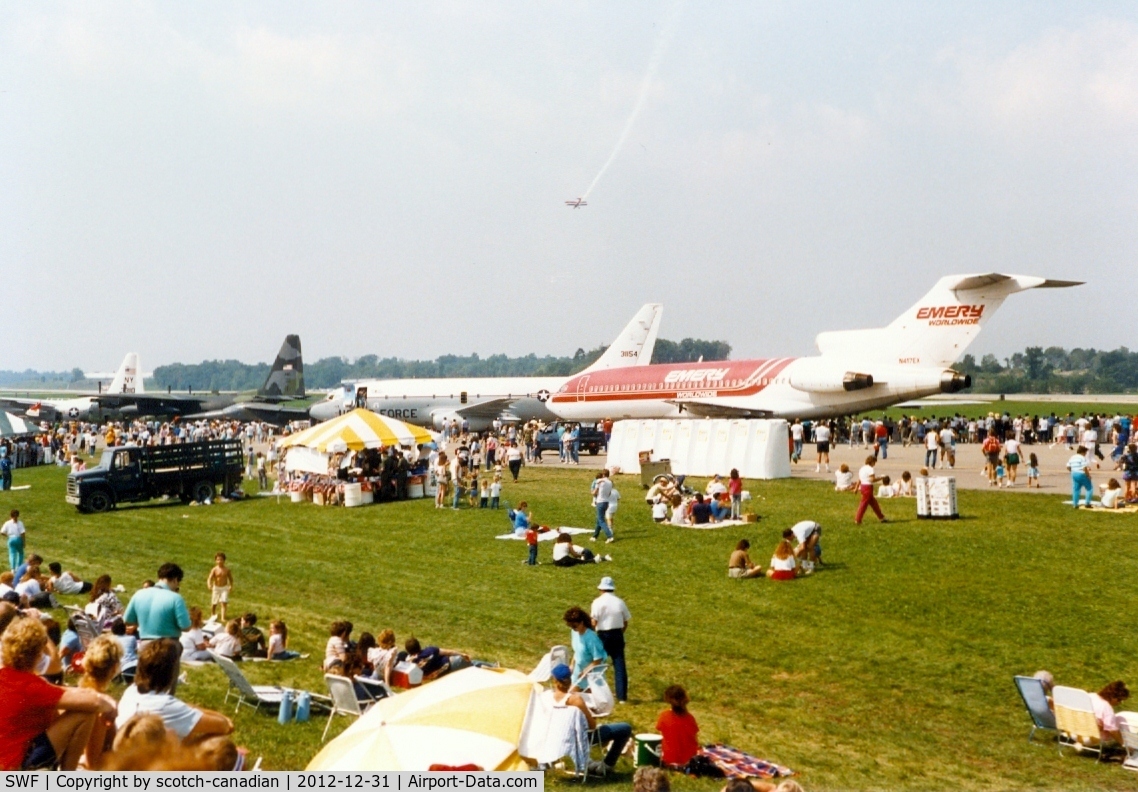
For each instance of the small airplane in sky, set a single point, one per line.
(577, 204)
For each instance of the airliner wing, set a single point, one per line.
(487, 410)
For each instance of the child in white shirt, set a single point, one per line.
(905, 486)
(495, 490)
(886, 490)
(660, 510)
(844, 479)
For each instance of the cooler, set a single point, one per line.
(406, 675)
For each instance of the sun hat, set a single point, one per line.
(561, 672)
(606, 584)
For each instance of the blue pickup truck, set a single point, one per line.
(591, 438)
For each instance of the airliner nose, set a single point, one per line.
(324, 410)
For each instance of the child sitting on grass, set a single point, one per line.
(905, 486)
(228, 643)
(278, 642)
(844, 479)
(886, 490)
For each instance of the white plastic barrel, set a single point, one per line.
(353, 495)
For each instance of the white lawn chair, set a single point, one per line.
(1128, 726)
(248, 694)
(555, 656)
(1075, 720)
(375, 689)
(599, 696)
(344, 700)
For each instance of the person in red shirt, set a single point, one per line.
(531, 540)
(735, 490)
(43, 725)
(678, 728)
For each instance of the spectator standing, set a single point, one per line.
(610, 618)
(5, 469)
(159, 611)
(14, 530)
(602, 489)
(588, 651)
(1080, 479)
(932, 445)
(867, 477)
(822, 435)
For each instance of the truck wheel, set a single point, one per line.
(203, 491)
(99, 501)
(594, 451)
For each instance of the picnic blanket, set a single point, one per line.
(711, 525)
(736, 764)
(1097, 506)
(548, 536)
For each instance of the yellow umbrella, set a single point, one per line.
(472, 716)
(358, 430)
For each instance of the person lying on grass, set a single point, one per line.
(566, 554)
(740, 564)
(434, 661)
(784, 566)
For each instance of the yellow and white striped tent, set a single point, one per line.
(356, 431)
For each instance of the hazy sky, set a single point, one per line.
(196, 180)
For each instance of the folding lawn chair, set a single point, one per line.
(1034, 697)
(1075, 720)
(344, 700)
(248, 694)
(375, 689)
(599, 697)
(1128, 726)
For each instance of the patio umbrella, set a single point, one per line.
(358, 430)
(473, 716)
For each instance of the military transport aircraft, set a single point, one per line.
(285, 383)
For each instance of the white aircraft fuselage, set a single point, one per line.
(857, 370)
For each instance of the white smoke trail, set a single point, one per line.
(662, 43)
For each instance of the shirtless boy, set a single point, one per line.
(220, 584)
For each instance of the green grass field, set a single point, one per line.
(889, 669)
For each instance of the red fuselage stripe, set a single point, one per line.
(640, 383)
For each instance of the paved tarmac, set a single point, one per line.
(969, 469)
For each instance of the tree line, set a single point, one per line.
(1054, 370)
(329, 372)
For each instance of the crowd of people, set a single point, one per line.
(50, 724)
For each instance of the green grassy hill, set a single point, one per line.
(889, 669)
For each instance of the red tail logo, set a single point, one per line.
(951, 312)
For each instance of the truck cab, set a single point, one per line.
(117, 477)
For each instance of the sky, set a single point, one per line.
(194, 181)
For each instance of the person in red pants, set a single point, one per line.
(868, 477)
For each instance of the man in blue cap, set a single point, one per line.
(618, 734)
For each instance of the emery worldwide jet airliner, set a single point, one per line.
(481, 400)
(857, 370)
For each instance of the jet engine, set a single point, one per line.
(954, 382)
(441, 419)
(837, 382)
